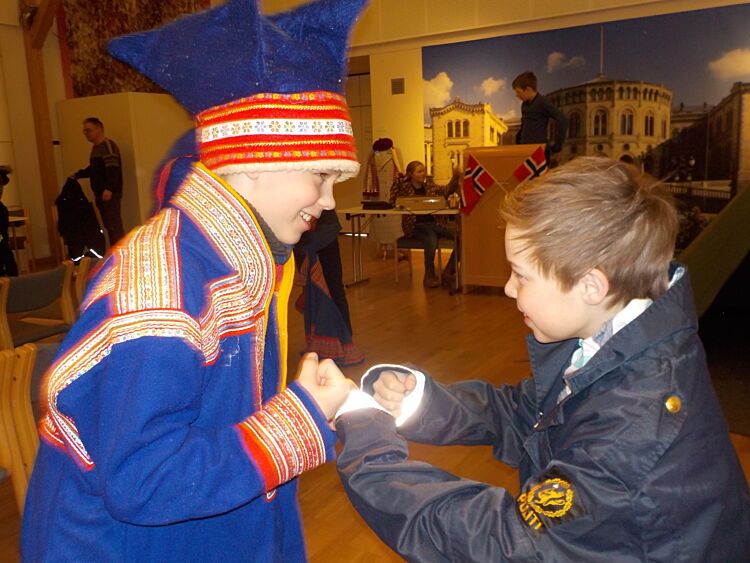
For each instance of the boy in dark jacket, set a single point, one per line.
(536, 113)
(622, 450)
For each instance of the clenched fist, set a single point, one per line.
(324, 382)
(391, 388)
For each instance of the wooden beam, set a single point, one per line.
(45, 15)
(42, 122)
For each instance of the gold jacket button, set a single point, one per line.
(673, 404)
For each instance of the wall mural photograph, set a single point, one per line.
(669, 94)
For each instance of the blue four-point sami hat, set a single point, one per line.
(266, 91)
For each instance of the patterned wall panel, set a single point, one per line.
(86, 27)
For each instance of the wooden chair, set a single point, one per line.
(19, 441)
(23, 412)
(20, 243)
(410, 243)
(82, 271)
(36, 306)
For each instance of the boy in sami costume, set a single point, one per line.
(622, 450)
(170, 432)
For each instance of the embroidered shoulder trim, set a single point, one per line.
(143, 280)
(143, 272)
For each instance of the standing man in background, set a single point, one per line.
(105, 173)
(536, 111)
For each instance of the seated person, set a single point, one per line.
(622, 449)
(426, 228)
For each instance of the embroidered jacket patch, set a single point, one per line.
(548, 501)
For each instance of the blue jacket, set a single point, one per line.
(169, 433)
(634, 465)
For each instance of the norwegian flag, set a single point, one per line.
(476, 181)
(533, 166)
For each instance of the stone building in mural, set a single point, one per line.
(455, 127)
(729, 138)
(622, 119)
(711, 144)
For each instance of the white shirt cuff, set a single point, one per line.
(359, 400)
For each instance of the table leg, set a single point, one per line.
(355, 222)
(457, 245)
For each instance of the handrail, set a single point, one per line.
(718, 250)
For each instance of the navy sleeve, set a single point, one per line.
(562, 124)
(475, 413)
(568, 510)
(83, 173)
(420, 511)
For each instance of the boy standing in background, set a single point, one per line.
(536, 113)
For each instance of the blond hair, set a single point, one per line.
(594, 212)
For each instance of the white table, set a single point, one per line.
(360, 217)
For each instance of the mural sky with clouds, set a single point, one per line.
(698, 55)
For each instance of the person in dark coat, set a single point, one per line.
(328, 326)
(8, 266)
(105, 173)
(536, 114)
(77, 223)
(622, 450)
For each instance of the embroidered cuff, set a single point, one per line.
(287, 437)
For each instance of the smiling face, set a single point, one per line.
(289, 201)
(419, 174)
(551, 313)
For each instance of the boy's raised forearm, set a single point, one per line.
(422, 512)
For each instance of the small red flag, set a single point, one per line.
(476, 181)
(533, 166)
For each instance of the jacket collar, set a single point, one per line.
(670, 313)
(226, 219)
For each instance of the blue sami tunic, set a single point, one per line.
(169, 434)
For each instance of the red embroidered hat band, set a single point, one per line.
(271, 132)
